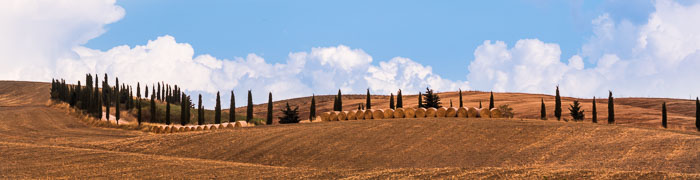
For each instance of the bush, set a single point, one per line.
(506, 111)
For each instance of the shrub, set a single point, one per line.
(290, 115)
(506, 111)
(576, 111)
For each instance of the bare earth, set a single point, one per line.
(37, 141)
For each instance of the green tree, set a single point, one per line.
(664, 118)
(369, 100)
(158, 93)
(460, 98)
(594, 112)
(183, 110)
(451, 103)
(98, 99)
(543, 111)
(312, 109)
(138, 105)
(420, 100)
(269, 109)
(118, 100)
(146, 92)
(399, 100)
(557, 105)
(491, 104)
(105, 96)
(576, 111)
(232, 108)
(611, 109)
(290, 115)
(340, 101)
(153, 107)
(217, 109)
(480, 104)
(431, 99)
(249, 108)
(200, 111)
(167, 108)
(391, 101)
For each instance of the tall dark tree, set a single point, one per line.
(106, 96)
(146, 94)
(391, 101)
(154, 116)
(167, 108)
(431, 99)
(480, 104)
(200, 111)
(138, 104)
(557, 105)
(232, 108)
(611, 108)
(399, 100)
(543, 111)
(576, 111)
(491, 104)
(249, 108)
(451, 103)
(312, 109)
(420, 100)
(460, 98)
(664, 118)
(158, 92)
(368, 105)
(98, 98)
(183, 110)
(269, 109)
(594, 112)
(697, 113)
(217, 109)
(117, 112)
(290, 115)
(339, 101)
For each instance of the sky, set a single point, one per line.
(298, 48)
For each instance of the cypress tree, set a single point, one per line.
(146, 94)
(232, 108)
(460, 98)
(200, 111)
(420, 100)
(611, 109)
(98, 99)
(106, 96)
(183, 111)
(391, 101)
(369, 101)
(153, 106)
(451, 103)
(399, 100)
(543, 111)
(491, 105)
(217, 109)
(431, 99)
(480, 104)
(594, 112)
(269, 109)
(167, 109)
(118, 99)
(340, 101)
(138, 104)
(664, 118)
(697, 113)
(158, 92)
(249, 108)
(557, 105)
(312, 109)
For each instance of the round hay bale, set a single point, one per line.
(451, 112)
(484, 112)
(205, 127)
(325, 116)
(213, 127)
(399, 113)
(368, 114)
(167, 129)
(389, 113)
(155, 129)
(200, 128)
(342, 116)
(221, 126)
(184, 129)
(333, 116)
(441, 112)
(409, 113)
(352, 115)
(230, 125)
(174, 129)
(431, 112)
(472, 112)
(420, 113)
(241, 124)
(378, 114)
(462, 112)
(496, 113)
(360, 114)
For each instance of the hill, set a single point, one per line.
(39, 141)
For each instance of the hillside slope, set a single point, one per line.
(38, 141)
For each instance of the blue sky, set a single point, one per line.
(441, 34)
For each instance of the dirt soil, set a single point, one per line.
(37, 141)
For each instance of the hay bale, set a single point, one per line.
(342, 116)
(389, 113)
(325, 116)
(167, 129)
(228, 125)
(352, 115)
(213, 127)
(222, 126)
(205, 127)
(420, 113)
(441, 112)
(184, 129)
(484, 113)
(305, 121)
(200, 128)
(378, 114)
(333, 116)
(472, 112)
(496, 113)
(368, 114)
(399, 113)
(241, 124)
(360, 115)
(431, 112)
(451, 112)
(462, 112)
(409, 112)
